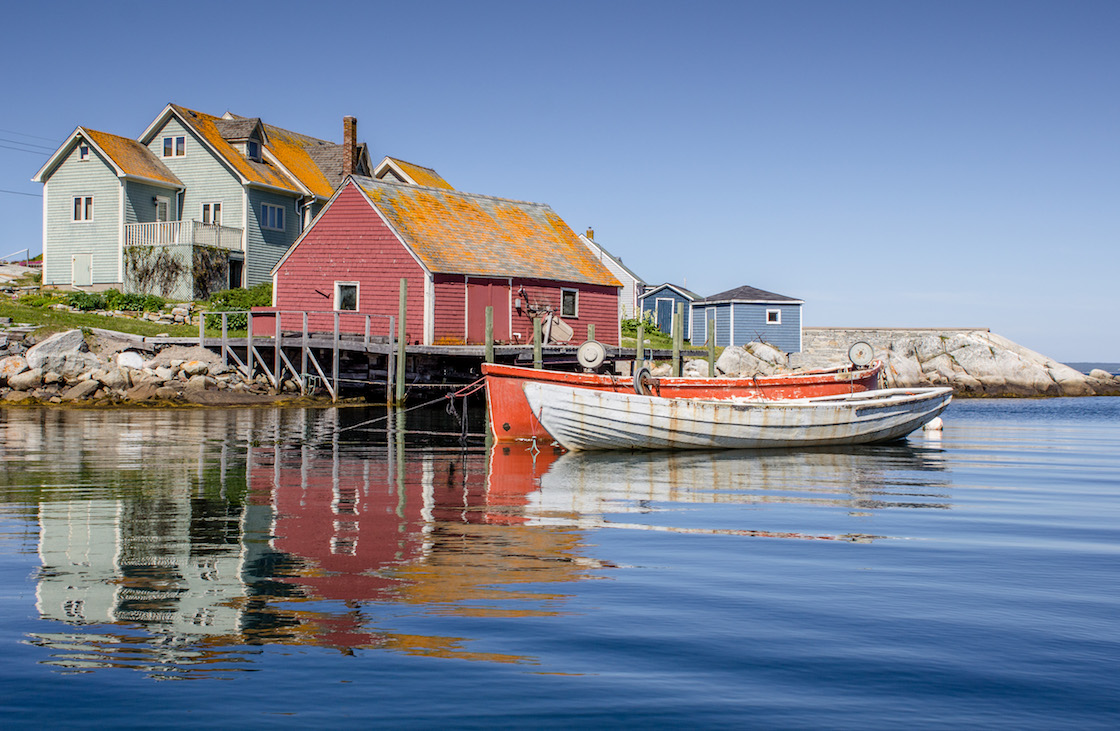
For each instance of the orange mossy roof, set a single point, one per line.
(422, 175)
(462, 233)
(131, 157)
(204, 125)
(292, 150)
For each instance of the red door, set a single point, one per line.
(483, 293)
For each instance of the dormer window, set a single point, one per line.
(253, 150)
(83, 152)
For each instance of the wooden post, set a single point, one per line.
(303, 357)
(277, 362)
(711, 345)
(489, 334)
(538, 356)
(249, 344)
(389, 367)
(590, 331)
(401, 309)
(335, 359)
(640, 347)
(678, 338)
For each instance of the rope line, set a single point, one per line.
(467, 390)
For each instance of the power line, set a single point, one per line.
(24, 134)
(25, 144)
(20, 192)
(20, 149)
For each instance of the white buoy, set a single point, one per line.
(935, 424)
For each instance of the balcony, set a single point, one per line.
(183, 233)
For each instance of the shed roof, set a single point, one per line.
(411, 172)
(750, 294)
(453, 232)
(686, 293)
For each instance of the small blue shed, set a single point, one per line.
(661, 301)
(746, 314)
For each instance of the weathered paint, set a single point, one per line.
(511, 418)
(583, 418)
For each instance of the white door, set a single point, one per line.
(81, 270)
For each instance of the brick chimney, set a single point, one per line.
(591, 233)
(349, 145)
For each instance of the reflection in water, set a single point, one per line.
(174, 542)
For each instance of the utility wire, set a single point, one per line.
(20, 192)
(25, 144)
(20, 149)
(24, 134)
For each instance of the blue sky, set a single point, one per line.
(891, 163)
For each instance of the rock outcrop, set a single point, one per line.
(63, 368)
(973, 362)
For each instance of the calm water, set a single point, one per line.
(263, 568)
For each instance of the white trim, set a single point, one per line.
(174, 139)
(45, 279)
(120, 236)
(429, 308)
(569, 289)
(390, 226)
(271, 158)
(263, 220)
(777, 311)
(202, 211)
(87, 215)
(672, 311)
(397, 170)
(357, 295)
(644, 295)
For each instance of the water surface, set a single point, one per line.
(313, 568)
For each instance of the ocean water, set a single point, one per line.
(314, 568)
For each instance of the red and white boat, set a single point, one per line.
(512, 419)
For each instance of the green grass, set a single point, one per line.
(54, 321)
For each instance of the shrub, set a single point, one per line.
(133, 301)
(238, 301)
(630, 327)
(86, 301)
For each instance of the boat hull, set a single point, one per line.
(586, 419)
(511, 418)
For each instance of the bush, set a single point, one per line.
(238, 301)
(41, 300)
(86, 301)
(630, 327)
(133, 302)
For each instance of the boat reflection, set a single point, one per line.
(581, 488)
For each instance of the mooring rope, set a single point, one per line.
(465, 391)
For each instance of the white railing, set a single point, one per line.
(169, 233)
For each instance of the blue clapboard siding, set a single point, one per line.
(207, 179)
(751, 325)
(100, 237)
(138, 204)
(700, 323)
(649, 304)
(266, 246)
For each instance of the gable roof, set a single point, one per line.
(750, 294)
(600, 251)
(452, 232)
(292, 162)
(410, 173)
(129, 158)
(687, 294)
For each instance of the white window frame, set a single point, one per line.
(83, 152)
(212, 205)
(177, 144)
(83, 212)
(777, 317)
(338, 295)
(265, 209)
(575, 307)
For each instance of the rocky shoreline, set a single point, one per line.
(103, 370)
(975, 363)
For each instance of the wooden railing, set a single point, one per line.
(170, 233)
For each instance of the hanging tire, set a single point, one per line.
(642, 377)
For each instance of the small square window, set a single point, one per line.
(83, 152)
(174, 146)
(773, 317)
(569, 303)
(253, 150)
(346, 296)
(212, 213)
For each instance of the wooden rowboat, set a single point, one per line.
(583, 419)
(511, 418)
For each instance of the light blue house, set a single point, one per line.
(661, 304)
(196, 204)
(746, 314)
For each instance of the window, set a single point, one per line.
(569, 303)
(174, 146)
(83, 208)
(253, 150)
(272, 217)
(346, 295)
(83, 152)
(773, 317)
(212, 213)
